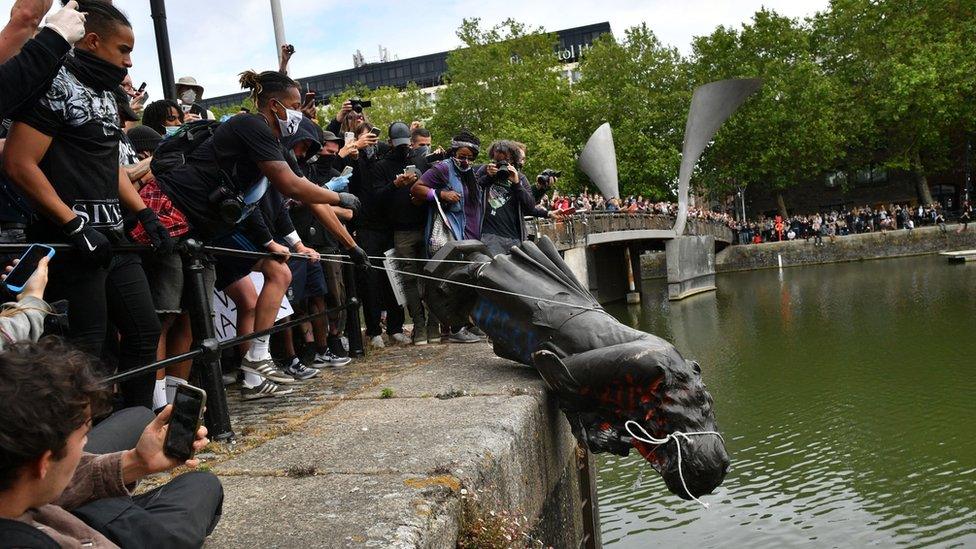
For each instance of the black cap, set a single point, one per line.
(329, 136)
(144, 138)
(399, 134)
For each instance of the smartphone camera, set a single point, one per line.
(188, 405)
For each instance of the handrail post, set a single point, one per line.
(207, 365)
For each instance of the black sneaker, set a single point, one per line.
(298, 370)
(329, 360)
(265, 389)
(335, 346)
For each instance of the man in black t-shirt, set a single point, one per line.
(63, 156)
(243, 156)
(506, 197)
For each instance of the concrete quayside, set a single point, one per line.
(410, 447)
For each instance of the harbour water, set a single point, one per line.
(847, 397)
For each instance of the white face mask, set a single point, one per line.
(170, 130)
(290, 124)
(188, 97)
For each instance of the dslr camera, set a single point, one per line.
(359, 104)
(547, 176)
(503, 171)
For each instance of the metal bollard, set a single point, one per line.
(354, 331)
(206, 366)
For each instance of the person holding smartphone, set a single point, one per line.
(23, 320)
(51, 393)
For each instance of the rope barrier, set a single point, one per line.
(233, 342)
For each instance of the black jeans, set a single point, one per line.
(180, 513)
(374, 285)
(120, 294)
(119, 431)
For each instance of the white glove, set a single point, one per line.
(68, 22)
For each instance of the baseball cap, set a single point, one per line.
(399, 134)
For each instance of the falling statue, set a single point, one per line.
(620, 388)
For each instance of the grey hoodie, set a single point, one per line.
(26, 325)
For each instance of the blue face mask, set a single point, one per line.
(170, 130)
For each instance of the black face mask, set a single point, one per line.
(95, 72)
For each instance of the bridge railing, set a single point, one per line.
(573, 230)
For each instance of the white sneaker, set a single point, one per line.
(401, 338)
(377, 342)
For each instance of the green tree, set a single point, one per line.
(640, 87)
(506, 83)
(790, 132)
(909, 72)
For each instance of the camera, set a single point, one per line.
(503, 170)
(359, 104)
(289, 49)
(547, 176)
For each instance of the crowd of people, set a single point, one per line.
(90, 164)
(586, 202)
(857, 220)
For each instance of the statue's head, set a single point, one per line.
(645, 381)
(683, 405)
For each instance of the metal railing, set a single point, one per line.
(573, 230)
(206, 348)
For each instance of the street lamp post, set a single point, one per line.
(279, 26)
(157, 9)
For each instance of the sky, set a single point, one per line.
(214, 40)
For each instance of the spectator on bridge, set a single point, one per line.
(50, 395)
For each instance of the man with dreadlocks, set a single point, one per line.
(234, 166)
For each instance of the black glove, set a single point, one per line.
(349, 201)
(92, 244)
(158, 235)
(358, 257)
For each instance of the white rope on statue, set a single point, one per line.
(649, 439)
(474, 286)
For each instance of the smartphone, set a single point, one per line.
(411, 169)
(376, 131)
(350, 137)
(346, 171)
(188, 405)
(25, 268)
(310, 98)
(142, 88)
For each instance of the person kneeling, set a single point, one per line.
(48, 396)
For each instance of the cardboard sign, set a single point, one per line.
(396, 279)
(225, 311)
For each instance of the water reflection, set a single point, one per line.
(845, 394)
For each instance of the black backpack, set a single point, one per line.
(173, 151)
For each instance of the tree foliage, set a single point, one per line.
(640, 87)
(908, 69)
(505, 83)
(790, 132)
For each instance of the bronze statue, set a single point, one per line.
(603, 373)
